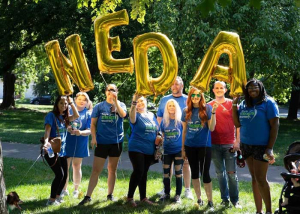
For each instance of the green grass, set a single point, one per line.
(26, 125)
(35, 190)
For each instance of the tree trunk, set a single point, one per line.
(9, 80)
(3, 208)
(295, 97)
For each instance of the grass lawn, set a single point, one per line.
(35, 190)
(26, 125)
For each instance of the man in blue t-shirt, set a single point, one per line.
(177, 94)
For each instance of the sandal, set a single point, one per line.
(131, 202)
(147, 201)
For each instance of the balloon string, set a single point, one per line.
(123, 82)
(103, 78)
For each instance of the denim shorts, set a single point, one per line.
(256, 151)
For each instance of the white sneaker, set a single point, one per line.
(52, 203)
(188, 194)
(161, 193)
(60, 200)
(75, 194)
(64, 193)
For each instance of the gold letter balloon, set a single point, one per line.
(106, 44)
(146, 85)
(235, 73)
(62, 67)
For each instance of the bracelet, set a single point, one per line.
(213, 113)
(134, 103)
(234, 104)
(70, 103)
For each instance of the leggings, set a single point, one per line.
(178, 163)
(141, 163)
(60, 170)
(199, 159)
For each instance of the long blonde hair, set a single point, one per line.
(166, 117)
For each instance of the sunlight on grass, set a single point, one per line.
(35, 189)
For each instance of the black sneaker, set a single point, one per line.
(164, 198)
(210, 204)
(110, 197)
(177, 199)
(200, 202)
(86, 200)
(225, 203)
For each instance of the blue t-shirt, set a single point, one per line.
(109, 124)
(172, 137)
(78, 146)
(50, 119)
(180, 100)
(142, 138)
(255, 127)
(196, 134)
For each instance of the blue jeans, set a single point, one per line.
(225, 161)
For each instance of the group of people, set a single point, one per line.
(194, 133)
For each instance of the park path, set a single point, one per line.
(31, 152)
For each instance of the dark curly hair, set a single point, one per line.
(262, 93)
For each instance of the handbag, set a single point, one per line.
(159, 148)
(54, 141)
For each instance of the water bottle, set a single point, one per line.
(50, 152)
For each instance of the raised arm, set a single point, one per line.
(132, 113)
(119, 109)
(74, 109)
(235, 115)
(212, 121)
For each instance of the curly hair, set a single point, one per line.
(57, 113)
(262, 93)
(202, 107)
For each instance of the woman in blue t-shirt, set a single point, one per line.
(140, 147)
(107, 136)
(77, 145)
(171, 128)
(258, 119)
(56, 123)
(198, 120)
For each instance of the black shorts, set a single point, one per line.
(257, 152)
(111, 150)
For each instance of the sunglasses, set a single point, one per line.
(195, 95)
(253, 88)
(111, 90)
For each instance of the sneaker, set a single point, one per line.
(110, 197)
(54, 203)
(200, 202)
(75, 194)
(225, 203)
(188, 194)
(164, 197)
(64, 193)
(161, 193)
(177, 199)
(85, 200)
(60, 200)
(131, 202)
(210, 204)
(237, 205)
(147, 201)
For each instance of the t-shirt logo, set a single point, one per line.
(107, 118)
(248, 114)
(76, 124)
(194, 126)
(172, 134)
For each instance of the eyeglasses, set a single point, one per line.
(111, 90)
(253, 88)
(195, 95)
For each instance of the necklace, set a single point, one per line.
(224, 108)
